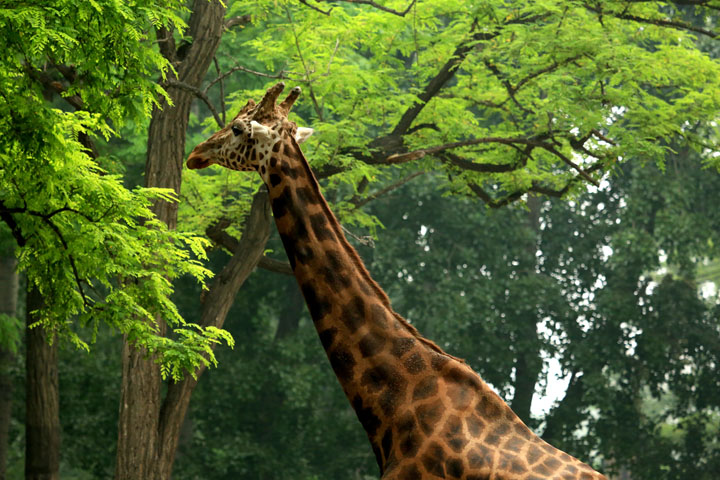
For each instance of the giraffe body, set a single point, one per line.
(426, 413)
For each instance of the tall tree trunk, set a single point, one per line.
(42, 418)
(8, 306)
(528, 364)
(142, 446)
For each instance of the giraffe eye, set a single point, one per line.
(236, 130)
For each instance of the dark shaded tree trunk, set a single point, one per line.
(42, 418)
(145, 449)
(290, 316)
(8, 306)
(528, 364)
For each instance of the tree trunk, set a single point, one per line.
(42, 418)
(528, 364)
(291, 312)
(144, 451)
(8, 306)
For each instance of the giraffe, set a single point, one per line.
(426, 413)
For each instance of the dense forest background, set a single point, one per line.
(533, 183)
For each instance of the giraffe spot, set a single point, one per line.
(524, 432)
(281, 203)
(337, 281)
(491, 439)
(480, 456)
(552, 463)
(517, 467)
(319, 225)
(327, 336)
(410, 472)
(262, 169)
(391, 397)
(401, 346)
(334, 259)
(379, 315)
(273, 161)
(453, 426)
(306, 196)
(438, 361)
(379, 377)
(233, 155)
(428, 416)
(342, 363)
(303, 254)
(488, 408)
(461, 388)
(586, 476)
(414, 363)
(288, 171)
(571, 469)
(434, 460)
(474, 425)
(409, 440)
(501, 429)
(454, 467)
(478, 477)
(353, 314)
(318, 307)
(549, 448)
(457, 444)
(514, 444)
(371, 344)
(276, 148)
(541, 469)
(367, 417)
(533, 454)
(425, 387)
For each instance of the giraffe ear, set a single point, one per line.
(302, 134)
(259, 131)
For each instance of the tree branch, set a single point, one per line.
(235, 21)
(656, 21)
(359, 202)
(198, 93)
(372, 4)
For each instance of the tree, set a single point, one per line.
(501, 100)
(84, 243)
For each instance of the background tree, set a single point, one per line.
(422, 109)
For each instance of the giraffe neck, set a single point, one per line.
(423, 410)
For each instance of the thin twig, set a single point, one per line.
(361, 202)
(282, 75)
(222, 90)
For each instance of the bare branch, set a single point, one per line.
(222, 90)
(282, 75)
(656, 21)
(324, 12)
(359, 202)
(198, 93)
(276, 266)
(235, 21)
(565, 159)
(375, 5)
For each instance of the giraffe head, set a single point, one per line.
(247, 142)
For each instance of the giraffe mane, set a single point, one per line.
(355, 258)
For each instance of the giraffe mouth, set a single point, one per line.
(197, 162)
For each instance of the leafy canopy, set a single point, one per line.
(88, 244)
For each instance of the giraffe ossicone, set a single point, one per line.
(427, 414)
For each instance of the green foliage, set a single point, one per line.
(90, 245)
